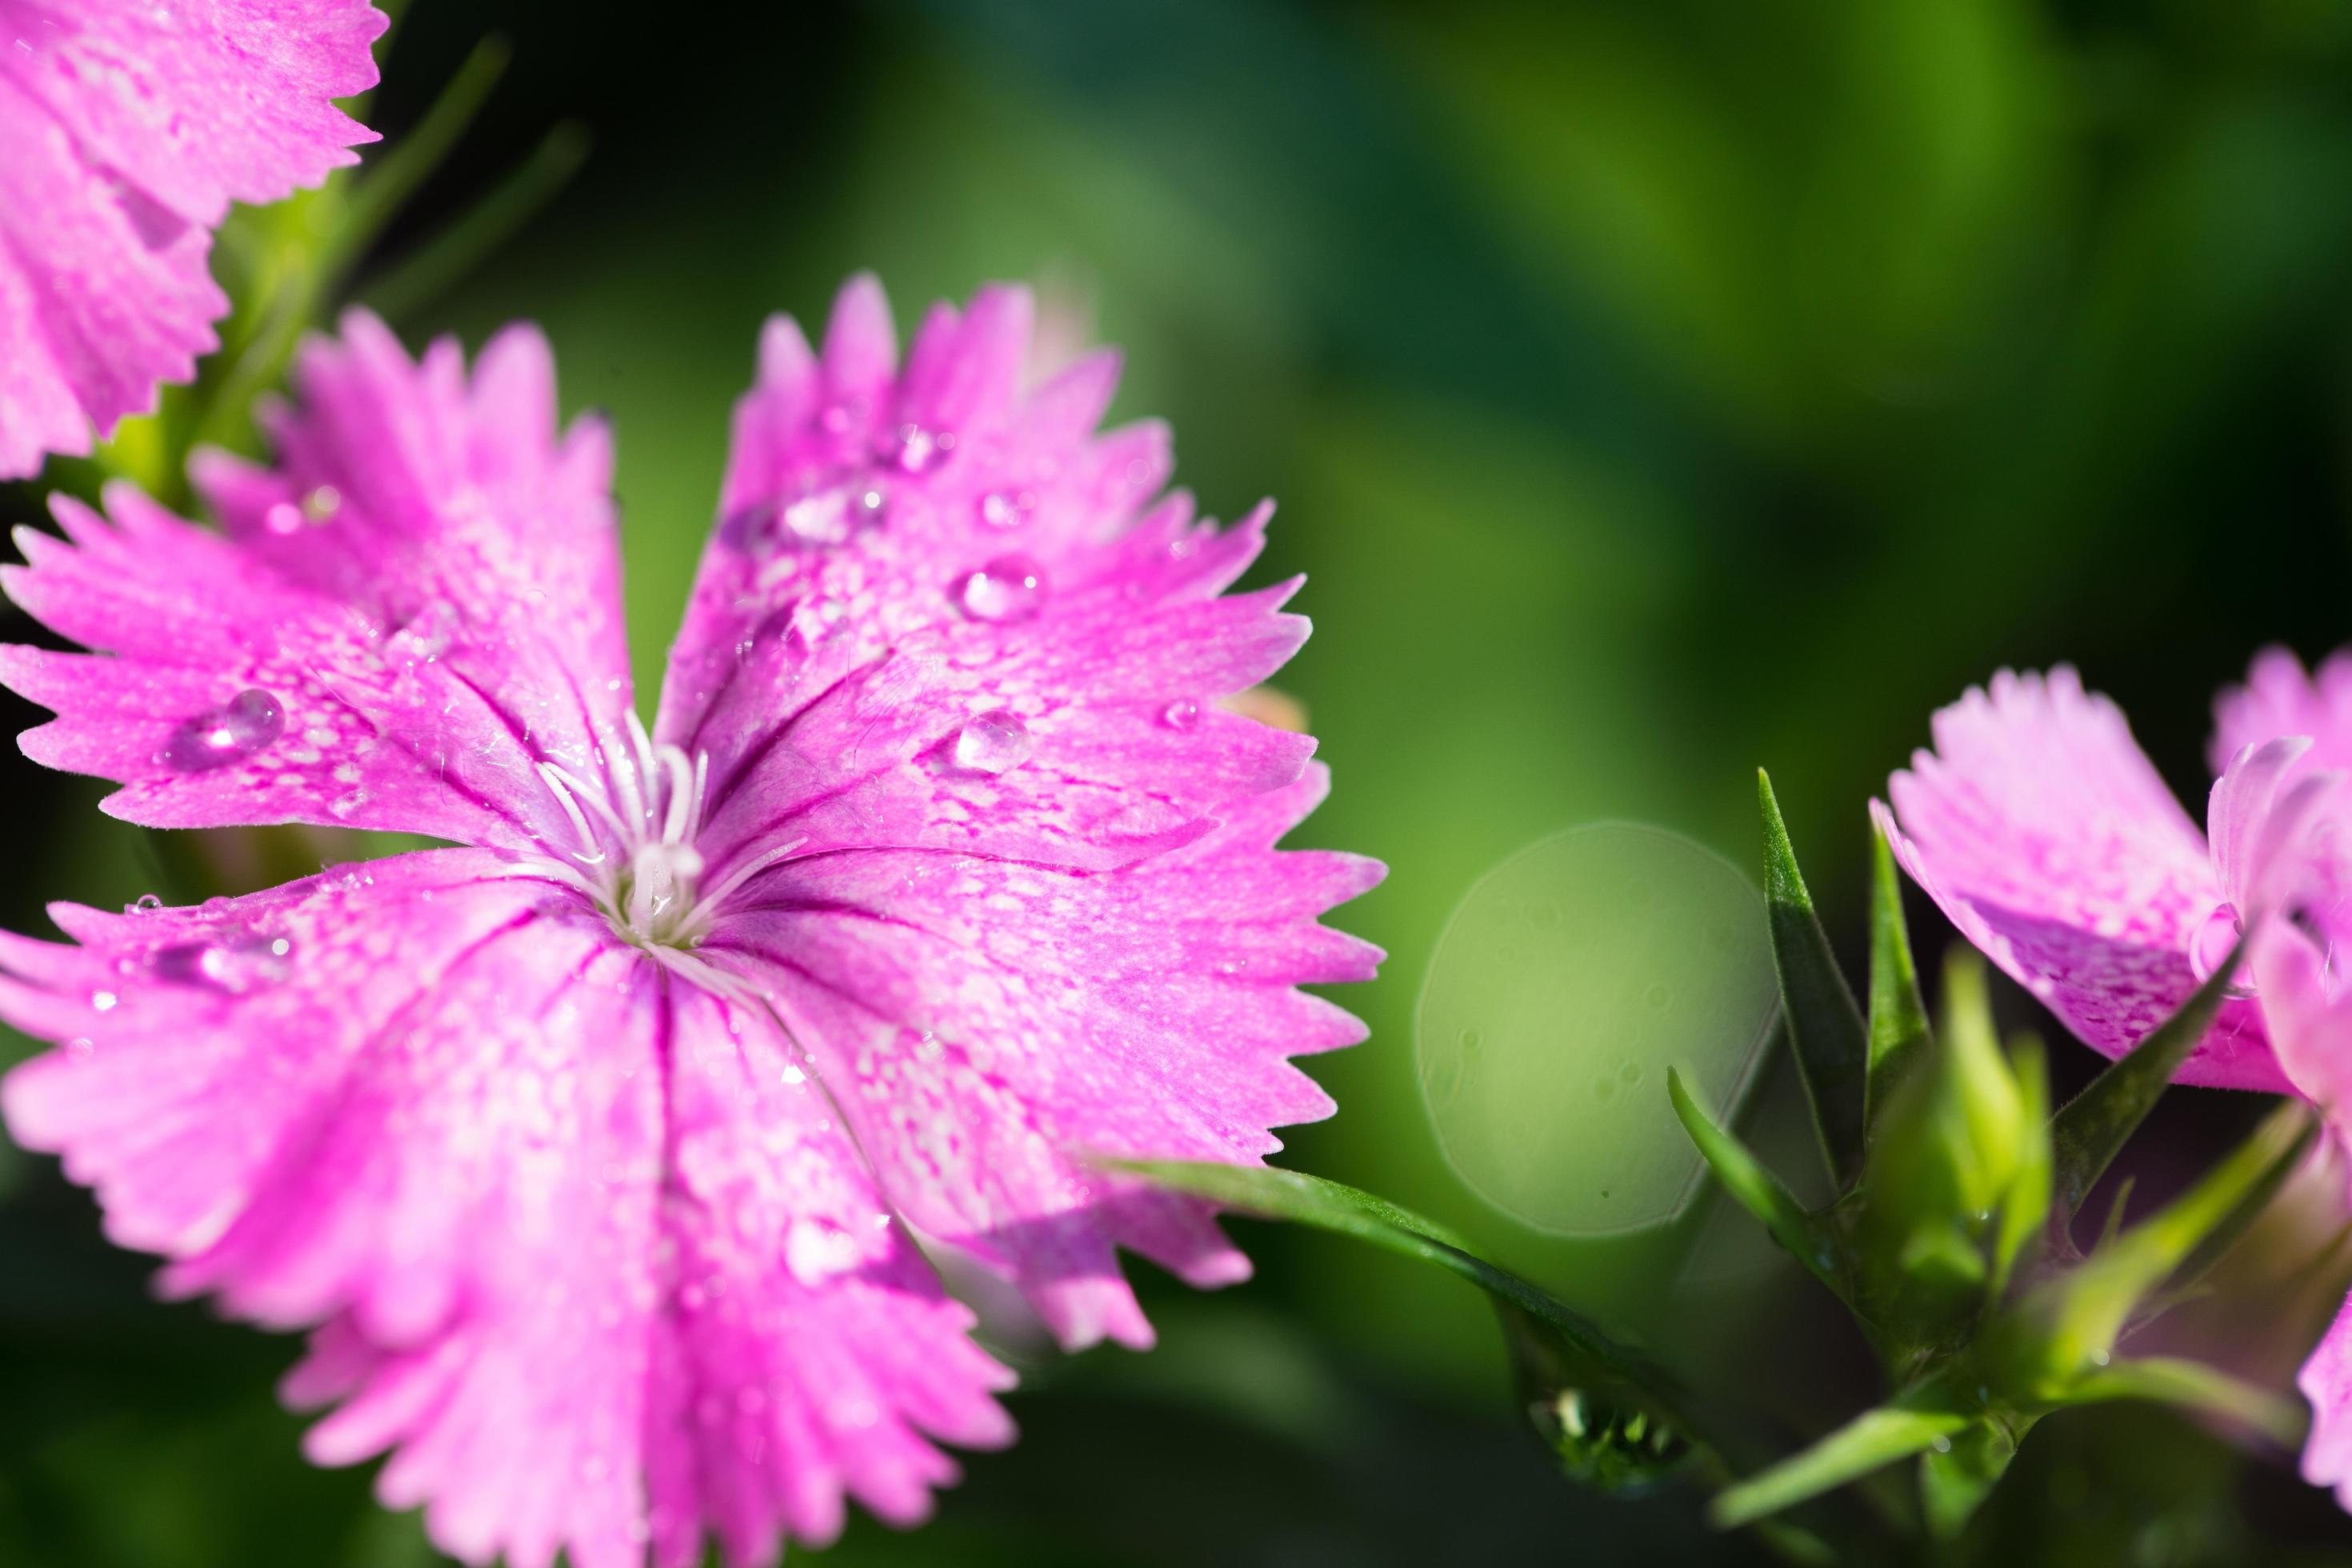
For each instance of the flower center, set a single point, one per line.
(634, 856)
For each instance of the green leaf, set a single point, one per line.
(1984, 1121)
(1758, 1189)
(1870, 1441)
(2095, 1123)
(2070, 1324)
(1271, 1192)
(1898, 1015)
(2025, 1212)
(1954, 1481)
(2194, 1387)
(1825, 1024)
(431, 269)
(257, 347)
(2233, 1226)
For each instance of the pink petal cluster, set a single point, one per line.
(126, 129)
(2045, 835)
(596, 1149)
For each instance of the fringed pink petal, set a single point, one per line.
(2279, 700)
(991, 1024)
(130, 128)
(2044, 834)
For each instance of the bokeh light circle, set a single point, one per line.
(1571, 978)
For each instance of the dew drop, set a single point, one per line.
(1470, 1039)
(813, 518)
(1181, 714)
(1005, 510)
(913, 448)
(79, 1048)
(428, 634)
(104, 1001)
(148, 901)
(1009, 588)
(230, 734)
(1657, 996)
(820, 519)
(233, 966)
(992, 742)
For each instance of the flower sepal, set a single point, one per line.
(1952, 1242)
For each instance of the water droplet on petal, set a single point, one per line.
(819, 518)
(234, 965)
(148, 901)
(103, 1001)
(914, 448)
(230, 734)
(1005, 510)
(992, 742)
(1009, 588)
(428, 633)
(1181, 714)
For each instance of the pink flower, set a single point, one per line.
(125, 132)
(2042, 832)
(598, 1147)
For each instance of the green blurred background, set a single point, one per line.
(1651, 390)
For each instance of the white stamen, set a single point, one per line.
(750, 869)
(593, 798)
(634, 856)
(554, 777)
(647, 772)
(682, 801)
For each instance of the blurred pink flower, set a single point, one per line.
(2042, 832)
(598, 1147)
(125, 132)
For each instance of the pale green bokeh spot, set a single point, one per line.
(1571, 977)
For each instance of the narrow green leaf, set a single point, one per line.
(1824, 1024)
(256, 350)
(2117, 1209)
(2072, 1321)
(2095, 1123)
(2025, 1212)
(1975, 1084)
(2194, 1387)
(2233, 1225)
(1758, 1191)
(1270, 1193)
(1954, 1481)
(425, 273)
(1941, 1256)
(1898, 1015)
(1870, 1441)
